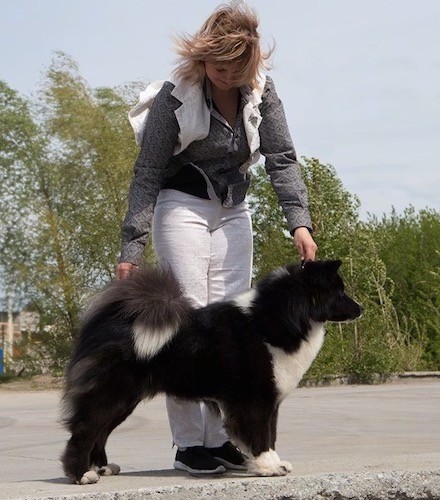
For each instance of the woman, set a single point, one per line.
(200, 132)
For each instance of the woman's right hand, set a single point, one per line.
(124, 270)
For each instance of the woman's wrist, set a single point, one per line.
(292, 232)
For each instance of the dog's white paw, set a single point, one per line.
(89, 477)
(268, 464)
(286, 465)
(110, 470)
(268, 471)
(281, 463)
(278, 472)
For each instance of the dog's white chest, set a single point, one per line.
(290, 368)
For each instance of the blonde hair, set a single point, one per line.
(229, 36)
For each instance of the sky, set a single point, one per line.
(359, 80)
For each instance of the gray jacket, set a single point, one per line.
(221, 154)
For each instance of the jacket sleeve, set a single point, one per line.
(150, 170)
(281, 163)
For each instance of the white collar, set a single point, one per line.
(193, 116)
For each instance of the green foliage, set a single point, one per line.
(409, 245)
(273, 245)
(65, 164)
(334, 210)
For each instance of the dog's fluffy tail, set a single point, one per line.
(151, 300)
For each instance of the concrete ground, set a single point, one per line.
(369, 442)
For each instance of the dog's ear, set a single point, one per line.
(334, 265)
(331, 266)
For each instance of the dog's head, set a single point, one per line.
(325, 291)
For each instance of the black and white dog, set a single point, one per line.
(140, 337)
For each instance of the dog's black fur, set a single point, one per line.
(141, 336)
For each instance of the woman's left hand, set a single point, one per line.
(304, 243)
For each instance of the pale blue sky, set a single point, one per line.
(360, 80)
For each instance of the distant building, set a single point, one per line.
(24, 325)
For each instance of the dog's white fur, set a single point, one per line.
(148, 342)
(244, 301)
(289, 368)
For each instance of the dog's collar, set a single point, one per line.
(304, 262)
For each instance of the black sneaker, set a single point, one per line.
(230, 456)
(197, 460)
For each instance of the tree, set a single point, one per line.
(409, 246)
(65, 167)
(21, 150)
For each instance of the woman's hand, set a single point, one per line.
(304, 243)
(124, 270)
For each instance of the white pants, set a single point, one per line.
(209, 248)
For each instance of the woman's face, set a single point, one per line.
(221, 74)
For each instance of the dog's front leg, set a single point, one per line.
(251, 428)
(273, 438)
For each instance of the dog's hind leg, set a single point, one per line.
(94, 405)
(85, 458)
(90, 423)
(76, 457)
(251, 427)
(98, 456)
